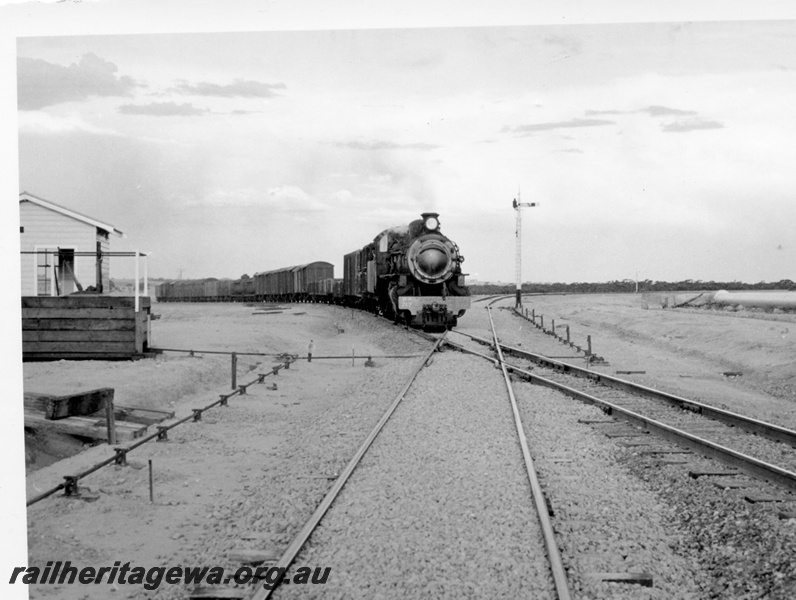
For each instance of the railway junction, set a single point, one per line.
(444, 501)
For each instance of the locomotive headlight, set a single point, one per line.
(432, 224)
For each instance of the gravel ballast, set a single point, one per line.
(248, 476)
(440, 506)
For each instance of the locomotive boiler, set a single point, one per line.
(411, 274)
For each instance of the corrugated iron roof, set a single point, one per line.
(28, 197)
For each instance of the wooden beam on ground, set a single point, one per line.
(139, 414)
(69, 405)
(89, 427)
(253, 557)
(644, 579)
(211, 593)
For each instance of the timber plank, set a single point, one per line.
(78, 313)
(82, 426)
(253, 557)
(215, 593)
(147, 416)
(78, 324)
(96, 348)
(69, 405)
(643, 579)
(87, 301)
(46, 356)
(78, 336)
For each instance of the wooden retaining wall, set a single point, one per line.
(84, 327)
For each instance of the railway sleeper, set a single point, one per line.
(643, 579)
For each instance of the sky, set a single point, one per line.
(658, 150)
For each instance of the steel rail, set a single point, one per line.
(762, 428)
(751, 466)
(553, 553)
(301, 538)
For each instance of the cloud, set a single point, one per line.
(653, 111)
(597, 113)
(40, 122)
(162, 109)
(569, 44)
(663, 111)
(691, 125)
(239, 88)
(528, 129)
(284, 198)
(291, 198)
(42, 84)
(385, 145)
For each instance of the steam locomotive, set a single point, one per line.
(411, 274)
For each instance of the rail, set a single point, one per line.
(762, 428)
(298, 542)
(750, 465)
(553, 553)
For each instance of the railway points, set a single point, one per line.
(615, 534)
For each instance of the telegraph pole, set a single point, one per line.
(518, 206)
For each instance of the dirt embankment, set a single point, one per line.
(691, 349)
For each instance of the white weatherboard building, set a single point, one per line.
(61, 249)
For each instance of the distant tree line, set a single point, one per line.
(626, 286)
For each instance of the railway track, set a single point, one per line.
(761, 450)
(443, 488)
(289, 555)
(356, 527)
(553, 552)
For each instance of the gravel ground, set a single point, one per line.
(605, 519)
(250, 475)
(713, 538)
(246, 477)
(441, 505)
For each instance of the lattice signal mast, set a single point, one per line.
(518, 206)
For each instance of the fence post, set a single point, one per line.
(234, 370)
(151, 488)
(110, 421)
(588, 345)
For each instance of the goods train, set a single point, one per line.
(411, 274)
